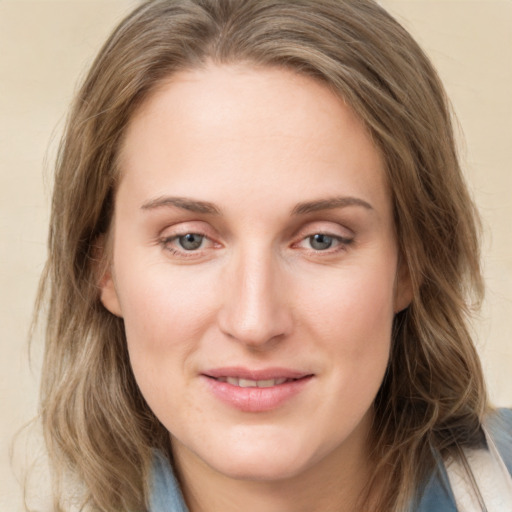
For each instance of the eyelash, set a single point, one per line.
(341, 244)
(183, 253)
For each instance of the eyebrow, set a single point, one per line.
(184, 203)
(329, 204)
(205, 207)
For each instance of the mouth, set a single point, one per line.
(249, 383)
(261, 378)
(256, 391)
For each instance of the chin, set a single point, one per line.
(262, 459)
(262, 470)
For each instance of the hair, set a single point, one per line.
(98, 427)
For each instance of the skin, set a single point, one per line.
(257, 293)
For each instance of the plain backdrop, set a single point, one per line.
(45, 46)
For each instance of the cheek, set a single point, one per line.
(353, 303)
(351, 319)
(163, 330)
(165, 316)
(158, 302)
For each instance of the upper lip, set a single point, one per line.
(251, 374)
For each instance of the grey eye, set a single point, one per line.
(320, 242)
(191, 241)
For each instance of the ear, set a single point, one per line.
(403, 286)
(108, 294)
(106, 283)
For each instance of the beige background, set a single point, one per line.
(46, 45)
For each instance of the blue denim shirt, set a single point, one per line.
(437, 497)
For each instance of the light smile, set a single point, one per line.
(256, 391)
(249, 383)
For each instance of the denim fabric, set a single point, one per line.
(437, 497)
(499, 426)
(166, 494)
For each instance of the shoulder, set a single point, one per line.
(498, 426)
(438, 494)
(165, 493)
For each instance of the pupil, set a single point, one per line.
(191, 241)
(320, 242)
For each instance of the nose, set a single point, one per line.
(255, 311)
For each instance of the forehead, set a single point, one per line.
(250, 131)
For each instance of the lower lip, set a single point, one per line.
(254, 399)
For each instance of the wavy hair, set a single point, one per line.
(98, 428)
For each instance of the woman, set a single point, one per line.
(261, 260)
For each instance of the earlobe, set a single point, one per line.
(403, 287)
(108, 294)
(107, 289)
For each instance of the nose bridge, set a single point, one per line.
(255, 311)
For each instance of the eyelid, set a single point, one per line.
(329, 228)
(342, 235)
(170, 234)
(168, 244)
(341, 243)
(182, 227)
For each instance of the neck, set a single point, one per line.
(334, 483)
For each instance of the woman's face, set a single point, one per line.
(255, 267)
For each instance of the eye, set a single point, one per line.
(324, 243)
(321, 242)
(190, 241)
(187, 245)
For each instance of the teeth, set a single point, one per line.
(233, 381)
(267, 383)
(281, 381)
(248, 383)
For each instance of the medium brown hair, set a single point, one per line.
(98, 428)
